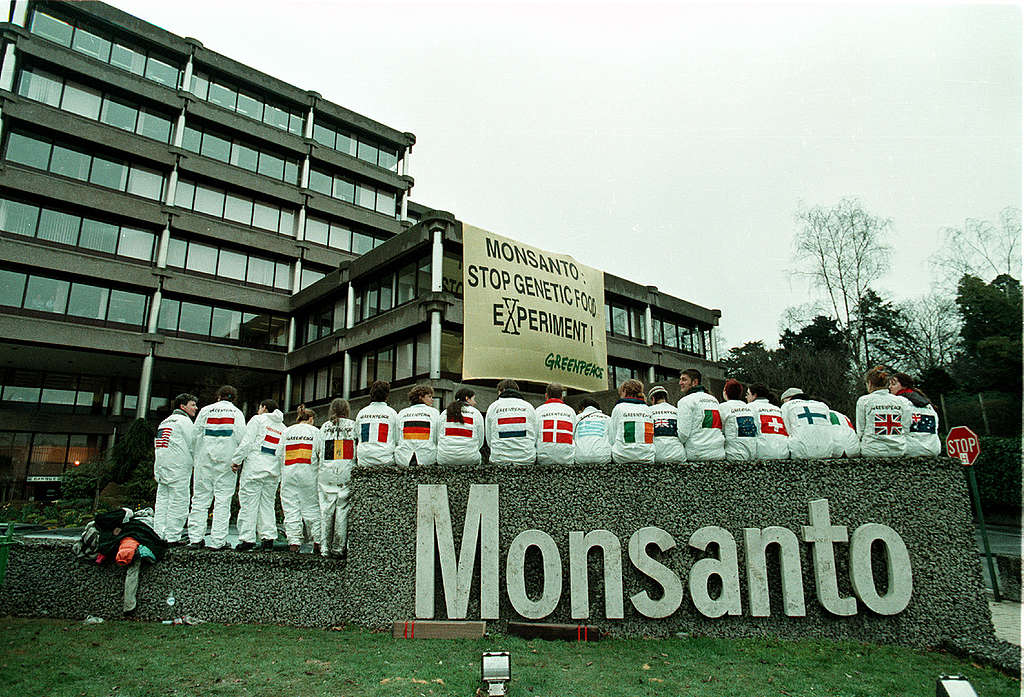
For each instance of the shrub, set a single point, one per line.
(998, 471)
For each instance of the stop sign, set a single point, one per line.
(962, 443)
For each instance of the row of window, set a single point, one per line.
(72, 230)
(222, 325)
(48, 88)
(344, 189)
(234, 207)
(77, 301)
(678, 336)
(35, 151)
(625, 321)
(388, 290)
(232, 151)
(45, 454)
(385, 156)
(338, 236)
(319, 323)
(618, 374)
(92, 44)
(217, 91)
(59, 392)
(225, 263)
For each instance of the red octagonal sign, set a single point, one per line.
(962, 443)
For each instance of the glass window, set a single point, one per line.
(321, 383)
(386, 202)
(291, 171)
(365, 196)
(201, 258)
(250, 106)
(276, 117)
(224, 96)
(28, 151)
(184, 193)
(209, 201)
(639, 328)
(309, 277)
(191, 139)
(41, 86)
(119, 115)
(403, 360)
(154, 126)
(361, 243)
(451, 353)
(344, 190)
(146, 183)
(128, 59)
(127, 308)
(346, 144)
(200, 85)
(51, 28)
(91, 45)
(423, 354)
(317, 231)
(296, 124)
(81, 100)
(239, 209)
(176, 250)
(656, 331)
(107, 173)
(195, 319)
(323, 135)
(46, 294)
(164, 73)
(271, 166)
(58, 227)
(216, 147)
(87, 301)
(385, 364)
(282, 275)
(12, 288)
(71, 163)
(226, 323)
(388, 159)
(341, 237)
(386, 293)
(260, 271)
(99, 236)
(59, 389)
(266, 217)
(340, 318)
(423, 277)
(231, 265)
(19, 218)
(307, 385)
(367, 152)
(406, 284)
(243, 156)
(620, 321)
(286, 226)
(318, 181)
(168, 318)
(370, 300)
(136, 243)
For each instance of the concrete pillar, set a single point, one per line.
(405, 161)
(296, 278)
(435, 345)
(436, 260)
(287, 392)
(292, 326)
(650, 375)
(145, 384)
(309, 123)
(648, 325)
(162, 246)
(7, 71)
(346, 389)
(186, 76)
(405, 205)
(300, 224)
(179, 129)
(172, 186)
(714, 343)
(116, 399)
(350, 307)
(154, 311)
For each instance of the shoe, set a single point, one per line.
(244, 546)
(316, 548)
(196, 545)
(266, 545)
(293, 548)
(178, 543)
(218, 549)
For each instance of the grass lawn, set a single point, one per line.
(60, 657)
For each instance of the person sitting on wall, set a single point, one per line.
(417, 429)
(172, 468)
(377, 428)
(846, 442)
(256, 457)
(337, 458)
(511, 426)
(880, 418)
(808, 424)
(700, 421)
(632, 428)
(772, 436)
(462, 433)
(667, 446)
(590, 437)
(299, 457)
(739, 423)
(920, 421)
(555, 424)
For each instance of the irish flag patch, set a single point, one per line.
(637, 432)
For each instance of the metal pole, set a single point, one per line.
(984, 415)
(972, 483)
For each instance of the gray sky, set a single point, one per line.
(667, 143)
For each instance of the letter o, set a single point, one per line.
(515, 574)
(901, 582)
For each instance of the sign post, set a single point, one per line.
(962, 443)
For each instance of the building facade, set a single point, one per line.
(172, 220)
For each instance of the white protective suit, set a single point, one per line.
(846, 441)
(377, 433)
(261, 474)
(739, 426)
(556, 421)
(511, 429)
(219, 429)
(460, 443)
(667, 446)
(590, 439)
(809, 427)
(337, 458)
(172, 469)
(299, 457)
(921, 424)
(772, 436)
(631, 432)
(700, 426)
(417, 433)
(880, 424)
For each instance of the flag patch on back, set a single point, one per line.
(888, 425)
(772, 424)
(215, 426)
(163, 437)
(270, 442)
(712, 419)
(380, 433)
(664, 426)
(556, 431)
(922, 423)
(637, 432)
(745, 427)
(512, 427)
(342, 449)
(298, 454)
(463, 430)
(596, 428)
(416, 430)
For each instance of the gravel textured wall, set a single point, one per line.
(924, 500)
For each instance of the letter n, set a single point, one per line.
(434, 523)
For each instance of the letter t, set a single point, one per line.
(822, 534)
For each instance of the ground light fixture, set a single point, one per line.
(495, 672)
(954, 686)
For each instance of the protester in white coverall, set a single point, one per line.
(631, 432)
(846, 442)
(772, 436)
(880, 418)
(377, 428)
(219, 429)
(417, 429)
(555, 423)
(461, 433)
(739, 423)
(256, 457)
(511, 426)
(172, 468)
(920, 420)
(590, 438)
(808, 425)
(337, 458)
(667, 446)
(700, 421)
(299, 457)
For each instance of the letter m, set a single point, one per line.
(434, 523)
(493, 250)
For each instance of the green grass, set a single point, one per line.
(60, 657)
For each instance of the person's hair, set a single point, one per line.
(227, 392)
(905, 380)
(589, 402)
(303, 414)
(733, 389)
(657, 394)
(632, 389)
(418, 392)
(759, 390)
(507, 385)
(379, 390)
(453, 412)
(693, 374)
(554, 391)
(877, 377)
(338, 410)
(772, 398)
(183, 399)
(269, 404)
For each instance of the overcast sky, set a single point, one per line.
(667, 143)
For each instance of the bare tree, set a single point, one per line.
(934, 325)
(980, 248)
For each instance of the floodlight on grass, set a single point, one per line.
(954, 686)
(495, 672)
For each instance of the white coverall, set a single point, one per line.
(555, 423)
(261, 474)
(631, 432)
(511, 429)
(377, 433)
(921, 424)
(460, 443)
(417, 433)
(219, 429)
(810, 429)
(299, 458)
(667, 446)
(591, 437)
(846, 442)
(880, 424)
(739, 426)
(700, 426)
(337, 458)
(172, 469)
(772, 436)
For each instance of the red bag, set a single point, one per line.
(126, 552)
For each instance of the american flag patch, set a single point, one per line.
(463, 430)
(556, 431)
(163, 437)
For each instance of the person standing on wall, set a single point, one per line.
(632, 429)
(256, 458)
(172, 468)
(700, 421)
(555, 423)
(667, 446)
(377, 428)
(417, 429)
(337, 458)
(220, 427)
(511, 427)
